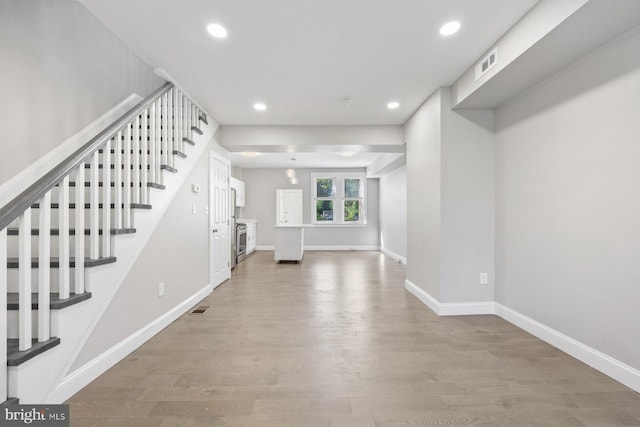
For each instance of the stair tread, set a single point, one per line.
(13, 262)
(179, 154)
(100, 184)
(16, 357)
(55, 302)
(196, 130)
(13, 231)
(188, 140)
(10, 401)
(204, 120)
(100, 206)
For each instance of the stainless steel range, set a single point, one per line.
(241, 241)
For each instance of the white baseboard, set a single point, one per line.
(448, 308)
(614, 368)
(400, 259)
(78, 379)
(341, 248)
(23, 180)
(325, 248)
(604, 363)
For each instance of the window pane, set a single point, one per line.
(324, 210)
(324, 187)
(352, 187)
(351, 210)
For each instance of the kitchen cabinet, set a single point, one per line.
(239, 187)
(252, 229)
(289, 243)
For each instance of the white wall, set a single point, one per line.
(568, 204)
(260, 199)
(177, 255)
(467, 231)
(393, 213)
(61, 70)
(422, 135)
(450, 191)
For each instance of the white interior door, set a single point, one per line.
(219, 239)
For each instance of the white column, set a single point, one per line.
(135, 172)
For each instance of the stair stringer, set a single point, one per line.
(47, 377)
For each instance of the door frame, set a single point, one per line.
(212, 157)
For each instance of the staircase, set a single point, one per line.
(58, 238)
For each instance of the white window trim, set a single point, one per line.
(339, 199)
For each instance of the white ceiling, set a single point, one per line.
(303, 57)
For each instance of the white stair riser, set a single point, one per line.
(12, 280)
(12, 245)
(12, 323)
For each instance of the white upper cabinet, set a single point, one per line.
(239, 187)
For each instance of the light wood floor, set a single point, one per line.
(337, 341)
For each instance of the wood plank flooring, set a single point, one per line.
(337, 341)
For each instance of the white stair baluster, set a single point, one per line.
(94, 211)
(79, 225)
(63, 237)
(126, 188)
(117, 186)
(178, 118)
(135, 159)
(170, 130)
(3, 315)
(157, 143)
(44, 266)
(166, 156)
(152, 144)
(188, 120)
(24, 281)
(106, 199)
(144, 162)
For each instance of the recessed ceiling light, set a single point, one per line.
(259, 106)
(450, 28)
(250, 154)
(393, 105)
(347, 153)
(217, 31)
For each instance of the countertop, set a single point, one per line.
(246, 221)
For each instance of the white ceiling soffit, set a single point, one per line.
(302, 58)
(592, 24)
(311, 159)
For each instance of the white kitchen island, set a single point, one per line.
(290, 242)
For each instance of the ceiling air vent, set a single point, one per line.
(487, 63)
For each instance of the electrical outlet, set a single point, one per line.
(160, 289)
(484, 279)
